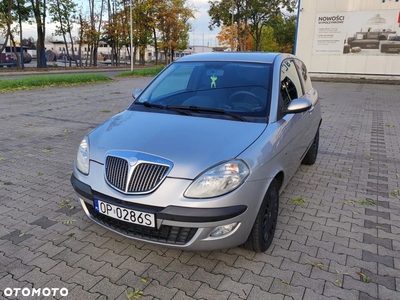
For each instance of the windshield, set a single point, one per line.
(239, 88)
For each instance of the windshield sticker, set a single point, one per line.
(213, 81)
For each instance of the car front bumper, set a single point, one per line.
(179, 226)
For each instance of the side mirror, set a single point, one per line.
(136, 93)
(298, 106)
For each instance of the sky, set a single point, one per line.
(200, 34)
(200, 26)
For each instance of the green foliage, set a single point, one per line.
(298, 201)
(173, 25)
(40, 81)
(364, 278)
(62, 12)
(284, 31)
(69, 221)
(268, 41)
(255, 15)
(339, 283)
(135, 294)
(368, 202)
(142, 72)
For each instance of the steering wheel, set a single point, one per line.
(261, 103)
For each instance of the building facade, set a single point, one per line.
(349, 36)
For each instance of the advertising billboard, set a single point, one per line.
(357, 32)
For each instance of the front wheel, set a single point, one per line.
(264, 227)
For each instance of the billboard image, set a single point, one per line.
(358, 32)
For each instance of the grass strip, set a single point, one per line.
(142, 72)
(40, 81)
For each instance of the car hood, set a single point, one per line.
(193, 144)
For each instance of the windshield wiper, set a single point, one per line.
(206, 109)
(148, 104)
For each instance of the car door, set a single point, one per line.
(311, 94)
(295, 127)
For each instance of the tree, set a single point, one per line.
(93, 30)
(143, 23)
(63, 12)
(173, 25)
(117, 28)
(229, 37)
(5, 21)
(83, 31)
(284, 27)
(23, 12)
(12, 11)
(39, 11)
(268, 40)
(250, 15)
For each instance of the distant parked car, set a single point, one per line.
(200, 157)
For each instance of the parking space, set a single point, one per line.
(338, 234)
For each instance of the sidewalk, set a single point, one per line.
(356, 78)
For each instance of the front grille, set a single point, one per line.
(117, 172)
(166, 234)
(144, 176)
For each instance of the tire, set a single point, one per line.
(312, 153)
(264, 227)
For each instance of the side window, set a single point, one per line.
(304, 76)
(290, 82)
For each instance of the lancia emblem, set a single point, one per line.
(133, 161)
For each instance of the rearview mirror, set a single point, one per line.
(298, 106)
(136, 93)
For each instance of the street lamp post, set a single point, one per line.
(130, 9)
(232, 26)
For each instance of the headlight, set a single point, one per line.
(82, 157)
(218, 180)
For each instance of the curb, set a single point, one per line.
(61, 71)
(356, 78)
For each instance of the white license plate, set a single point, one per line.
(125, 214)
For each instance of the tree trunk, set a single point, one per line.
(80, 41)
(63, 31)
(258, 36)
(40, 49)
(14, 50)
(72, 47)
(20, 38)
(9, 18)
(134, 54)
(37, 7)
(155, 45)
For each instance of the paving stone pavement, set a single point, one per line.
(342, 243)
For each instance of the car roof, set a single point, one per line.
(263, 57)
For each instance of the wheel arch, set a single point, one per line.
(280, 177)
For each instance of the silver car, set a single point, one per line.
(199, 159)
